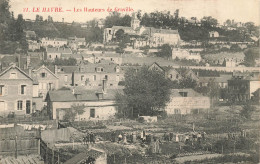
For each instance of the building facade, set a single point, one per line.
(16, 91)
(184, 101)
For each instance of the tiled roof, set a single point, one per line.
(82, 94)
(58, 50)
(91, 67)
(61, 96)
(152, 30)
(191, 93)
(68, 69)
(76, 56)
(108, 54)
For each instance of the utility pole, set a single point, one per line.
(16, 151)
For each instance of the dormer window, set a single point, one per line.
(117, 69)
(99, 69)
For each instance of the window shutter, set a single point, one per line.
(26, 90)
(19, 89)
(6, 90)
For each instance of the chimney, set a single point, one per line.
(28, 61)
(104, 88)
(30, 71)
(55, 69)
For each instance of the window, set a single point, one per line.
(13, 75)
(28, 107)
(177, 111)
(99, 69)
(19, 105)
(92, 113)
(2, 90)
(66, 78)
(94, 78)
(43, 75)
(106, 77)
(117, 77)
(82, 77)
(23, 88)
(183, 94)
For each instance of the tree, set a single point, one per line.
(75, 110)
(251, 55)
(187, 82)
(121, 47)
(165, 51)
(247, 111)
(119, 35)
(145, 91)
(5, 14)
(228, 22)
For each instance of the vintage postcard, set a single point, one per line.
(129, 81)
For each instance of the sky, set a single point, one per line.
(239, 10)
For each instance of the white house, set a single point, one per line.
(56, 52)
(213, 34)
(185, 54)
(56, 42)
(98, 105)
(183, 101)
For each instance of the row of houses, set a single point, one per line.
(23, 91)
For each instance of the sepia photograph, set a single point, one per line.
(129, 81)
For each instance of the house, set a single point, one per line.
(108, 56)
(92, 75)
(221, 80)
(242, 85)
(185, 54)
(56, 42)
(186, 101)
(98, 104)
(168, 72)
(65, 75)
(47, 80)
(94, 156)
(56, 52)
(188, 73)
(30, 35)
(142, 36)
(33, 45)
(213, 34)
(74, 43)
(16, 91)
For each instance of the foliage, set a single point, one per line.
(121, 47)
(187, 82)
(115, 19)
(70, 114)
(146, 91)
(251, 55)
(247, 111)
(165, 51)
